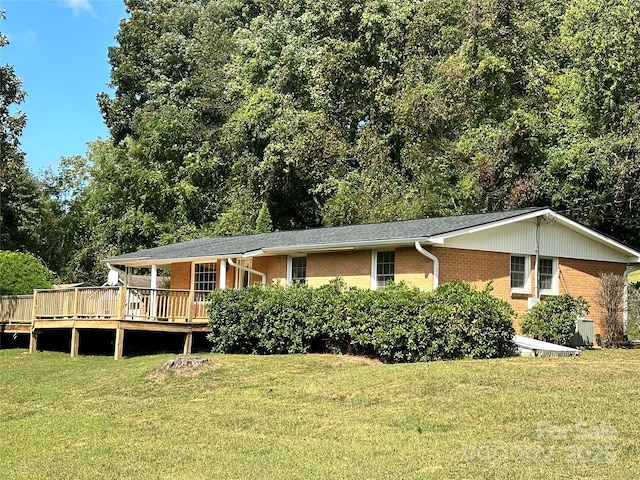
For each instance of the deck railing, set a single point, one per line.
(16, 309)
(106, 303)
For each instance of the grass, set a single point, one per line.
(319, 416)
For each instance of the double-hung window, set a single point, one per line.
(520, 274)
(384, 268)
(205, 275)
(297, 270)
(547, 275)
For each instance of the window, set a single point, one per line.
(204, 279)
(297, 271)
(520, 274)
(385, 266)
(547, 269)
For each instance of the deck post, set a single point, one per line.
(188, 343)
(153, 301)
(119, 345)
(75, 342)
(191, 304)
(76, 296)
(122, 303)
(33, 341)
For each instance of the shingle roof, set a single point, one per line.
(354, 235)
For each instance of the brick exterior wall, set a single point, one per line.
(582, 277)
(413, 268)
(353, 266)
(180, 276)
(274, 267)
(576, 277)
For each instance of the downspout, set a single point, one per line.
(536, 288)
(625, 296)
(434, 259)
(247, 269)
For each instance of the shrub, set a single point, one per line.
(610, 298)
(554, 318)
(479, 325)
(21, 273)
(395, 324)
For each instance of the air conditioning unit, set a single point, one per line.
(584, 333)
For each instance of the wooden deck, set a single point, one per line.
(112, 308)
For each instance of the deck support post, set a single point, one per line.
(33, 341)
(75, 342)
(119, 344)
(188, 343)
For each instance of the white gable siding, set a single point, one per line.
(520, 238)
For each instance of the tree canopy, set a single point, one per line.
(21, 273)
(228, 113)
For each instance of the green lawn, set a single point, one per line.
(319, 416)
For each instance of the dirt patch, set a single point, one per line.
(185, 366)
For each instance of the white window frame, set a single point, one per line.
(290, 278)
(554, 278)
(374, 267)
(527, 275)
(194, 273)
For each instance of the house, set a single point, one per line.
(526, 254)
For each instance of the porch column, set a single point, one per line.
(75, 342)
(223, 274)
(153, 310)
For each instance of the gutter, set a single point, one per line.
(247, 269)
(436, 263)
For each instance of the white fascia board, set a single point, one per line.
(634, 256)
(254, 253)
(147, 262)
(400, 242)
(526, 216)
(126, 262)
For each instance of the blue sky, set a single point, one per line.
(59, 49)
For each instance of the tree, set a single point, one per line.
(19, 190)
(21, 273)
(341, 112)
(263, 222)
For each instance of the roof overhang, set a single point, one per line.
(634, 256)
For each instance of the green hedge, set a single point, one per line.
(395, 324)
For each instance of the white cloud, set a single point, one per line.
(79, 6)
